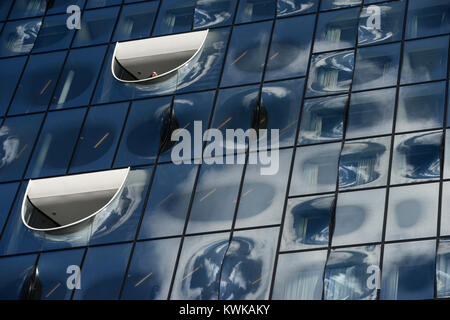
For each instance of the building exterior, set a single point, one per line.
(359, 207)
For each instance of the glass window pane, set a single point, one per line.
(5, 6)
(410, 216)
(426, 18)
(213, 13)
(54, 34)
(300, 276)
(168, 203)
(408, 270)
(7, 193)
(103, 271)
(141, 139)
(151, 270)
(443, 269)
(56, 143)
(255, 10)
(101, 3)
(248, 265)
(17, 137)
(421, 107)
(376, 67)
(425, 60)
(262, 196)
(359, 217)
(291, 7)
(332, 4)
(99, 137)
(347, 273)
(96, 26)
(445, 208)
(14, 272)
(78, 78)
(175, 16)
(136, 21)
(199, 267)
(330, 73)
(245, 59)
(370, 113)
(390, 16)
(11, 70)
(288, 56)
(60, 6)
(416, 157)
(18, 37)
(336, 30)
(38, 83)
(322, 119)
(364, 163)
(315, 169)
(28, 8)
(306, 224)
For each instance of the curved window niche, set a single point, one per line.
(151, 59)
(66, 203)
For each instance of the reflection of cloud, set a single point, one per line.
(23, 38)
(293, 7)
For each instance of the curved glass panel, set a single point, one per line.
(54, 34)
(359, 217)
(426, 18)
(8, 191)
(445, 208)
(416, 157)
(174, 16)
(300, 276)
(14, 272)
(334, 4)
(135, 21)
(255, 10)
(9, 77)
(410, 216)
(5, 6)
(213, 13)
(18, 37)
(291, 7)
(307, 222)
(347, 273)
(60, 6)
(28, 8)
(443, 269)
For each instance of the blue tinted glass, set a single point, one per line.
(15, 275)
(78, 78)
(408, 270)
(168, 202)
(281, 102)
(38, 83)
(371, 113)
(99, 138)
(17, 137)
(151, 270)
(28, 8)
(421, 107)
(425, 60)
(250, 255)
(103, 271)
(214, 13)
(322, 119)
(5, 6)
(147, 126)
(288, 7)
(262, 196)
(215, 197)
(336, 30)
(52, 268)
(175, 16)
(119, 221)
(136, 21)
(7, 192)
(245, 59)
(330, 73)
(189, 110)
(364, 163)
(315, 169)
(300, 276)
(255, 10)
(346, 273)
(200, 255)
(102, 3)
(306, 224)
(60, 6)
(11, 70)
(427, 18)
(96, 26)
(288, 56)
(376, 67)
(443, 269)
(382, 23)
(56, 142)
(416, 157)
(54, 34)
(332, 4)
(18, 37)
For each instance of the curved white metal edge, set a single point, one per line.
(25, 198)
(160, 75)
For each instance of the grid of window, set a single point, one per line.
(363, 184)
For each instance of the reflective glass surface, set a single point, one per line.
(334, 4)
(54, 34)
(255, 10)
(14, 272)
(11, 69)
(427, 18)
(291, 7)
(175, 16)
(214, 13)
(18, 37)
(135, 21)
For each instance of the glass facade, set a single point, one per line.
(359, 208)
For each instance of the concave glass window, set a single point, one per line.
(135, 21)
(54, 34)
(426, 18)
(18, 37)
(175, 16)
(28, 8)
(255, 10)
(291, 7)
(213, 13)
